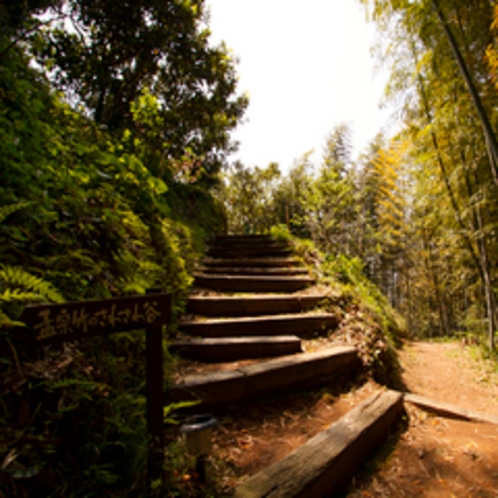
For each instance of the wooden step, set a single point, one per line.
(236, 348)
(241, 238)
(249, 243)
(301, 324)
(244, 283)
(251, 305)
(248, 252)
(271, 262)
(288, 372)
(326, 463)
(450, 411)
(245, 270)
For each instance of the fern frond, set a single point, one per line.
(12, 277)
(12, 208)
(169, 409)
(7, 322)
(18, 295)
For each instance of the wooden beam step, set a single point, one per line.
(270, 262)
(301, 324)
(450, 411)
(248, 252)
(241, 238)
(249, 243)
(245, 283)
(266, 377)
(236, 348)
(325, 464)
(245, 270)
(219, 306)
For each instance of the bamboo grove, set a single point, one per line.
(442, 55)
(418, 210)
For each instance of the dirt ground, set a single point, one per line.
(428, 456)
(252, 438)
(435, 456)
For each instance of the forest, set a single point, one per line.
(416, 210)
(115, 123)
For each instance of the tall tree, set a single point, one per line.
(432, 44)
(112, 52)
(330, 211)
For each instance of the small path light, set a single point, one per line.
(198, 431)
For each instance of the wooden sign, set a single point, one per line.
(76, 320)
(56, 323)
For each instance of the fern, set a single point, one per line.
(17, 295)
(7, 322)
(19, 285)
(169, 409)
(12, 208)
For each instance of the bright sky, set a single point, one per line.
(306, 66)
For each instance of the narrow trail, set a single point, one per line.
(437, 456)
(258, 353)
(450, 372)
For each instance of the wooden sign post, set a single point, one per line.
(58, 323)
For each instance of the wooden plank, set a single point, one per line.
(252, 284)
(450, 411)
(259, 262)
(236, 348)
(210, 389)
(251, 305)
(257, 251)
(324, 465)
(249, 244)
(248, 270)
(241, 237)
(267, 376)
(300, 370)
(302, 324)
(51, 323)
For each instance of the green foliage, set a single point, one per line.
(88, 212)
(18, 287)
(148, 67)
(172, 407)
(89, 422)
(248, 198)
(281, 232)
(349, 272)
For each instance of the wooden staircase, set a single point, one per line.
(234, 327)
(251, 302)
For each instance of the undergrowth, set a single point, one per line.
(82, 216)
(367, 320)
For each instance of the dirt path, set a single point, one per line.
(435, 456)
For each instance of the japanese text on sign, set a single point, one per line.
(95, 317)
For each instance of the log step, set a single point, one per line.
(248, 243)
(244, 283)
(245, 270)
(301, 324)
(236, 348)
(220, 306)
(325, 464)
(450, 411)
(271, 262)
(266, 377)
(241, 238)
(246, 252)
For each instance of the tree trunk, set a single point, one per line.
(491, 141)
(483, 255)
(483, 272)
